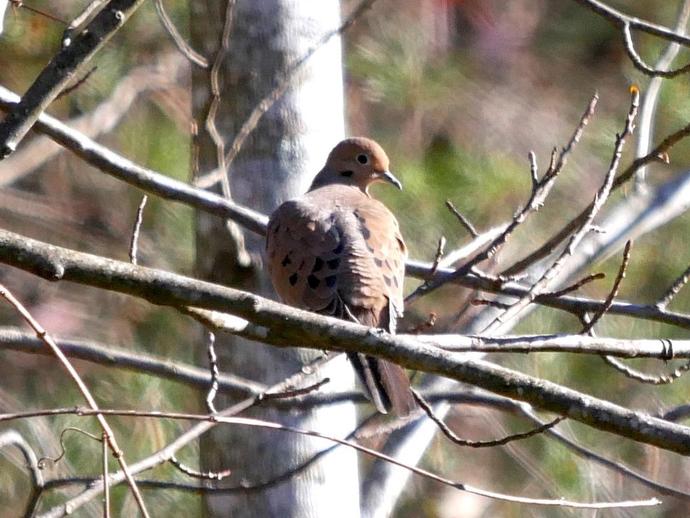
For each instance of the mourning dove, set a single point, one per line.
(339, 252)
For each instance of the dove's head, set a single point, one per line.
(358, 162)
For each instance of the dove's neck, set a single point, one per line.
(328, 176)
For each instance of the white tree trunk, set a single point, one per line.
(277, 162)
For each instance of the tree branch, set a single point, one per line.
(64, 66)
(260, 423)
(620, 20)
(285, 326)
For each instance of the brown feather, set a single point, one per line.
(338, 251)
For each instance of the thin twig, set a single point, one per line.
(106, 485)
(246, 421)
(614, 290)
(203, 475)
(453, 437)
(639, 63)
(538, 194)
(292, 393)
(600, 199)
(61, 70)
(440, 250)
(71, 88)
(575, 286)
(674, 289)
(648, 105)
(659, 153)
(619, 20)
(649, 379)
(42, 334)
(184, 47)
(462, 219)
(213, 367)
(592, 456)
(134, 241)
(20, 4)
(214, 105)
(42, 462)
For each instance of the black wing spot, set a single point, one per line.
(366, 233)
(333, 263)
(395, 281)
(286, 260)
(313, 282)
(293, 279)
(339, 249)
(387, 280)
(330, 280)
(378, 262)
(318, 264)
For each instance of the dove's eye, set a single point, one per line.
(363, 159)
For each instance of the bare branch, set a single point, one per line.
(440, 250)
(142, 80)
(135, 230)
(246, 421)
(285, 326)
(453, 437)
(146, 179)
(576, 285)
(657, 154)
(629, 46)
(203, 475)
(590, 455)
(106, 485)
(42, 334)
(538, 194)
(634, 374)
(674, 289)
(599, 200)
(68, 62)
(170, 189)
(20, 4)
(620, 20)
(184, 47)
(108, 354)
(614, 290)
(213, 367)
(660, 348)
(14, 438)
(462, 219)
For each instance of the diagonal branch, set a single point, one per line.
(284, 326)
(107, 430)
(620, 20)
(62, 69)
(260, 423)
(599, 200)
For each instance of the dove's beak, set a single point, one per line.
(390, 178)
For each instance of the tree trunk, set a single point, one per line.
(277, 162)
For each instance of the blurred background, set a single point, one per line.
(458, 92)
